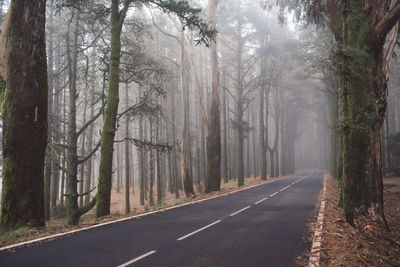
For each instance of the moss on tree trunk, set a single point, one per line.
(363, 111)
(24, 111)
(110, 116)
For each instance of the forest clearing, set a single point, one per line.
(267, 132)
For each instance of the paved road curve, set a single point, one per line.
(261, 226)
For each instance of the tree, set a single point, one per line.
(127, 162)
(73, 161)
(110, 116)
(243, 81)
(365, 33)
(23, 67)
(213, 180)
(261, 137)
(361, 33)
(191, 19)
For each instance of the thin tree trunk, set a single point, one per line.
(83, 148)
(158, 166)
(225, 164)
(88, 180)
(72, 137)
(186, 179)
(50, 77)
(254, 150)
(141, 158)
(127, 161)
(151, 165)
(117, 174)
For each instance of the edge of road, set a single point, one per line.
(29, 242)
(315, 255)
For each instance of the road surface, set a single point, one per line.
(262, 226)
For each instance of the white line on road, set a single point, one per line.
(201, 229)
(273, 194)
(314, 260)
(284, 188)
(138, 258)
(239, 211)
(265, 198)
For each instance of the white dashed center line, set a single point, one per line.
(209, 225)
(239, 211)
(273, 194)
(265, 198)
(138, 258)
(199, 230)
(284, 188)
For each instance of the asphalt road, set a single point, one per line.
(261, 226)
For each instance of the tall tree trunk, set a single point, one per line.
(277, 161)
(127, 162)
(364, 105)
(266, 106)
(151, 165)
(55, 180)
(72, 137)
(240, 171)
(89, 163)
(254, 149)
(186, 179)
(65, 143)
(73, 212)
(283, 145)
(83, 137)
(225, 174)
(141, 158)
(158, 166)
(261, 134)
(145, 164)
(213, 181)
(239, 106)
(248, 145)
(24, 68)
(174, 154)
(272, 163)
(110, 116)
(117, 174)
(50, 77)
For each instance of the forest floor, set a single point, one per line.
(366, 244)
(56, 226)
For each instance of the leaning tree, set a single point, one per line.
(190, 18)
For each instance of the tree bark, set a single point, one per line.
(127, 161)
(185, 171)
(72, 137)
(141, 158)
(225, 174)
(363, 105)
(88, 180)
(151, 165)
(213, 181)
(110, 116)
(23, 54)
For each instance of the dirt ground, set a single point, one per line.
(55, 226)
(368, 243)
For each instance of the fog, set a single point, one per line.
(266, 91)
